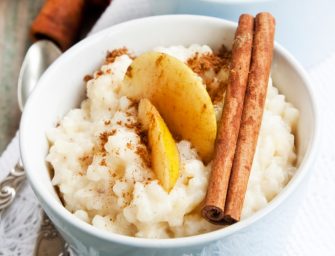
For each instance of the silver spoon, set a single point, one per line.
(38, 58)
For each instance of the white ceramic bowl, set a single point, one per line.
(61, 88)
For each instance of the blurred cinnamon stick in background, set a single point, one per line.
(62, 21)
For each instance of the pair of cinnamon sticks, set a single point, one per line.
(241, 118)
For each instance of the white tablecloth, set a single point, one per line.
(312, 231)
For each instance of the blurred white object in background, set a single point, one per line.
(304, 27)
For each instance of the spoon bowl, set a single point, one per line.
(38, 58)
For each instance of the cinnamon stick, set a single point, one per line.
(213, 209)
(252, 115)
(59, 21)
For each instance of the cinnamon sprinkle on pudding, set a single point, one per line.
(102, 161)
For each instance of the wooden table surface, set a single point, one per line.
(15, 19)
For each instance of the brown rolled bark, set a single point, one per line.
(229, 127)
(252, 115)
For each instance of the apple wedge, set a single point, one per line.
(164, 152)
(178, 94)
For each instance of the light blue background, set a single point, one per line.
(305, 27)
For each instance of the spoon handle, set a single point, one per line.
(10, 185)
(49, 241)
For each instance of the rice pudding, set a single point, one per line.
(102, 163)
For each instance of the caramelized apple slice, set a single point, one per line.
(164, 152)
(178, 94)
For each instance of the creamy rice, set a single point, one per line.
(101, 164)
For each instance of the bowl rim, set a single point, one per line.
(69, 218)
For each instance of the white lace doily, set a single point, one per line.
(312, 228)
(20, 223)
